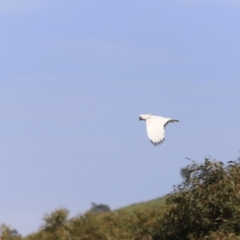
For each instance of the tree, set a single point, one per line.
(98, 208)
(55, 220)
(7, 233)
(204, 204)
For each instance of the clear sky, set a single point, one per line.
(74, 77)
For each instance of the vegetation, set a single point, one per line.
(7, 233)
(158, 203)
(97, 208)
(205, 206)
(184, 172)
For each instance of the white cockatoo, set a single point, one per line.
(156, 127)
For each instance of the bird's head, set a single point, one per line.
(145, 116)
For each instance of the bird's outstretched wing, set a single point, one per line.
(155, 130)
(170, 121)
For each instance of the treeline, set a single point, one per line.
(205, 206)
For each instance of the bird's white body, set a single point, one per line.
(156, 127)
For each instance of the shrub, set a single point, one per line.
(136, 225)
(206, 202)
(7, 233)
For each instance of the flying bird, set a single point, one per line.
(156, 127)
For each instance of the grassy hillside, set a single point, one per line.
(158, 202)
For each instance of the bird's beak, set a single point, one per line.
(140, 118)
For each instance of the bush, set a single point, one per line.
(206, 202)
(7, 233)
(136, 225)
(139, 225)
(99, 208)
(221, 236)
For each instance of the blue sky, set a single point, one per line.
(75, 76)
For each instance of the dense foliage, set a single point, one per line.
(90, 226)
(7, 233)
(97, 208)
(206, 206)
